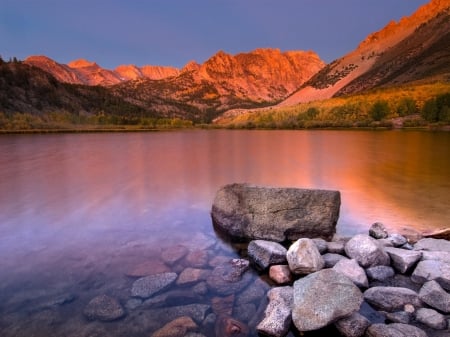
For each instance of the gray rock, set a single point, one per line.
(321, 245)
(322, 298)
(429, 270)
(380, 273)
(385, 242)
(353, 271)
(431, 318)
(331, 259)
(280, 274)
(276, 214)
(407, 246)
(366, 251)
(403, 260)
(439, 245)
(432, 294)
(103, 308)
(391, 298)
(192, 275)
(265, 253)
(397, 240)
(229, 278)
(394, 330)
(398, 317)
(378, 231)
(352, 326)
(277, 316)
(164, 315)
(145, 287)
(303, 257)
(439, 256)
(254, 292)
(336, 247)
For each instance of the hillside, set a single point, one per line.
(417, 48)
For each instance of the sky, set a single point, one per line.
(174, 32)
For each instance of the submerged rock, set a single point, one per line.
(176, 328)
(229, 278)
(322, 298)
(104, 308)
(147, 286)
(249, 212)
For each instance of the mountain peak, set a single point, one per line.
(81, 63)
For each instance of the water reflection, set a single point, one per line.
(78, 211)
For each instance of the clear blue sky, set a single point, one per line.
(169, 32)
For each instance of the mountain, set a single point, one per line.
(90, 73)
(246, 80)
(416, 48)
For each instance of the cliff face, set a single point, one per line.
(390, 56)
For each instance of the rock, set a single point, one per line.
(245, 312)
(371, 314)
(278, 318)
(407, 246)
(394, 330)
(322, 298)
(336, 247)
(229, 278)
(378, 231)
(147, 268)
(303, 257)
(398, 317)
(192, 275)
(380, 273)
(173, 254)
(391, 298)
(352, 326)
(177, 328)
(443, 233)
(439, 256)
(331, 259)
(218, 260)
(103, 308)
(397, 239)
(145, 287)
(249, 212)
(196, 259)
(223, 306)
(403, 260)
(265, 253)
(439, 245)
(165, 315)
(200, 289)
(353, 271)
(429, 270)
(133, 303)
(229, 327)
(410, 234)
(366, 251)
(431, 318)
(432, 294)
(321, 245)
(255, 291)
(280, 274)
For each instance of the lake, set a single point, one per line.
(87, 214)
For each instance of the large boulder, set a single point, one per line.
(249, 212)
(322, 298)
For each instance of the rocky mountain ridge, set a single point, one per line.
(415, 48)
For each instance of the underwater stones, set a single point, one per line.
(145, 287)
(103, 308)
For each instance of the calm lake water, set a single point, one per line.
(80, 212)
